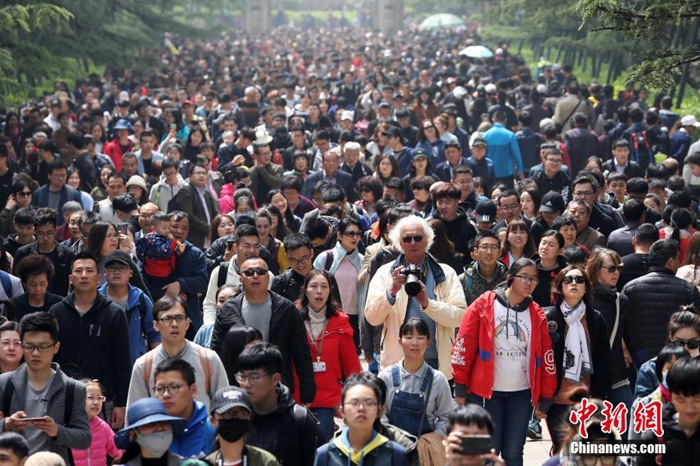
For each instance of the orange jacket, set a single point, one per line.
(472, 353)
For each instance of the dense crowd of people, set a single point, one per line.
(221, 259)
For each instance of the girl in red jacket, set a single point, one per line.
(102, 435)
(329, 335)
(502, 358)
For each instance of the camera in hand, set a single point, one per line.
(413, 282)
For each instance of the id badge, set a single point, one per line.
(319, 366)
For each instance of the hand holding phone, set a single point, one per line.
(476, 444)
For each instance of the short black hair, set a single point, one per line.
(633, 209)
(83, 255)
(684, 377)
(262, 355)
(333, 193)
(34, 264)
(176, 365)
(485, 234)
(196, 165)
(661, 251)
(575, 254)
(616, 176)
(646, 234)
(169, 162)
(637, 185)
(668, 352)
(657, 170)
(414, 324)
(125, 203)
(317, 228)
(291, 182)
(44, 216)
(693, 158)
(16, 443)
(244, 230)
(24, 216)
(39, 322)
(394, 183)
(166, 303)
(471, 414)
(296, 241)
(56, 165)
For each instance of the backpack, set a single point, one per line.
(641, 149)
(70, 385)
(223, 272)
(6, 283)
(147, 369)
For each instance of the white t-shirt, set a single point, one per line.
(511, 345)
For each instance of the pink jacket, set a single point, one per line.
(101, 446)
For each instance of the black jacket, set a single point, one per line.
(95, 345)
(288, 284)
(287, 332)
(604, 302)
(289, 432)
(215, 253)
(652, 299)
(681, 450)
(542, 293)
(598, 344)
(188, 201)
(632, 169)
(61, 257)
(634, 266)
(459, 230)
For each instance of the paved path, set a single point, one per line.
(537, 451)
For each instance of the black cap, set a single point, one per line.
(403, 113)
(553, 202)
(479, 142)
(123, 103)
(486, 211)
(119, 256)
(392, 132)
(417, 153)
(230, 397)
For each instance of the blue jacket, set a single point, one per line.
(503, 149)
(137, 328)
(192, 273)
(436, 151)
(483, 168)
(198, 437)
(647, 381)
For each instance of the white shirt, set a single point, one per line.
(511, 344)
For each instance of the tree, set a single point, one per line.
(664, 33)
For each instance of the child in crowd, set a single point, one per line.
(102, 435)
(157, 252)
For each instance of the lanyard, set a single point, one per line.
(319, 348)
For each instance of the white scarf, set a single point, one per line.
(577, 355)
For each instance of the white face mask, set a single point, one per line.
(156, 443)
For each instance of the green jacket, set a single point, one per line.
(474, 284)
(256, 457)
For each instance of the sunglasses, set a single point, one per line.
(690, 344)
(353, 234)
(569, 279)
(259, 272)
(415, 239)
(613, 268)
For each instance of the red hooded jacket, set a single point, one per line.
(472, 353)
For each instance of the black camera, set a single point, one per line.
(413, 282)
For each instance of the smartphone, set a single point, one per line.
(173, 125)
(122, 228)
(229, 244)
(476, 445)
(31, 419)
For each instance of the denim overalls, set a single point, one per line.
(407, 409)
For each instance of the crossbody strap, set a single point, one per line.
(617, 319)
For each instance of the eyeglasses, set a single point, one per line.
(464, 182)
(45, 234)
(510, 207)
(173, 389)
(301, 260)
(42, 348)
(259, 272)
(352, 234)
(569, 279)
(252, 378)
(414, 239)
(613, 268)
(112, 236)
(489, 247)
(180, 318)
(690, 344)
(593, 460)
(528, 280)
(93, 398)
(355, 404)
(584, 193)
(24, 193)
(7, 344)
(118, 268)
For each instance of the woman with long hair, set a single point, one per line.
(330, 339)
(278, 258)
(581, 345)
(429, 140)
(518, 242)
(73, 181)
(193, 144)
(530, 200)
(386, 167)
(679, 229)
(501, 358)
(99, 192)
(425, 108)
(443, 249)
(276, 197)
(360, 404)
(178, 130)
(98, 132)
(223, 294)
(603, 268)
(221, 227)
(370, 189)
(278, 227)
(689, 272)
(378, 144)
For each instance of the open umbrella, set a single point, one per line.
(441, 21)
(476, 51)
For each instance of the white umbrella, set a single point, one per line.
(441, 21)
(476, 51)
